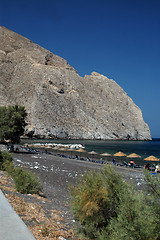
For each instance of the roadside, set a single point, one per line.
(44, 223)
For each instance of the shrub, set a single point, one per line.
(135, 219)
(9, 167)
(109, 208)
(153, 185)
(26, 182)
(153, 198)
(94, 200)
(5, 156)
(88, 199)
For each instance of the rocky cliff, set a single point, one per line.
(60, 103)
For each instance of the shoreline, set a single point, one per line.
(142, 148)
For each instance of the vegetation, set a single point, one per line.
(12, 123)
(5, 157)
(109, 208)
(24, 180)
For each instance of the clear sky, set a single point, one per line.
(117, 38)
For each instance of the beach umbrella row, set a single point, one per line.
(118, 154)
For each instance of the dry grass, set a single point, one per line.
(34, 216)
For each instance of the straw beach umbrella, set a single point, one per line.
(81, 150)
(119, 154)
(71, 150)
(133, 155)
(93, 153)
(105, 154)
(55, 149)
(152, 159)
(62, 149)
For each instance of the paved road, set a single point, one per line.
(11, 226)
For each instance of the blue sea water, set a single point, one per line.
(143, 148)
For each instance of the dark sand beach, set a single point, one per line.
(58, 173)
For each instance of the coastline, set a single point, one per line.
(142, 148)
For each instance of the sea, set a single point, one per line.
(142, 148)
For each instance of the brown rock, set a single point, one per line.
(60, 103)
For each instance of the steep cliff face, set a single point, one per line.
(60, 103)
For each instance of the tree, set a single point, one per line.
(12, 123)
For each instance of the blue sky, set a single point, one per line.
(117, 38)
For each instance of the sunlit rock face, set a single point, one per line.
(60, 103)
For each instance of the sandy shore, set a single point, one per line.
(58, 173)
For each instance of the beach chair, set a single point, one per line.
(125, 164)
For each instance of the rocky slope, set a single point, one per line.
(60, 103)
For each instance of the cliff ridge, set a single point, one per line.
(60, 103)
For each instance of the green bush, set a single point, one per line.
(94, 200)
(153, 198)
(109, 208)
(5, 156)
(135, 219)
(9, 167)
(26, 182)
(89, 199)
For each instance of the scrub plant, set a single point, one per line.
(108, 208)
(134, 220)
(5, 157)
(153, 198)
(94, 200)
(26, 182)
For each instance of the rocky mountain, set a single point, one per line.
(60, 103)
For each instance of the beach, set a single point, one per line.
(58, 173)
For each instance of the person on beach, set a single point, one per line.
(147, 166)
(157, 169)
(114, 161)
(132, 163)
